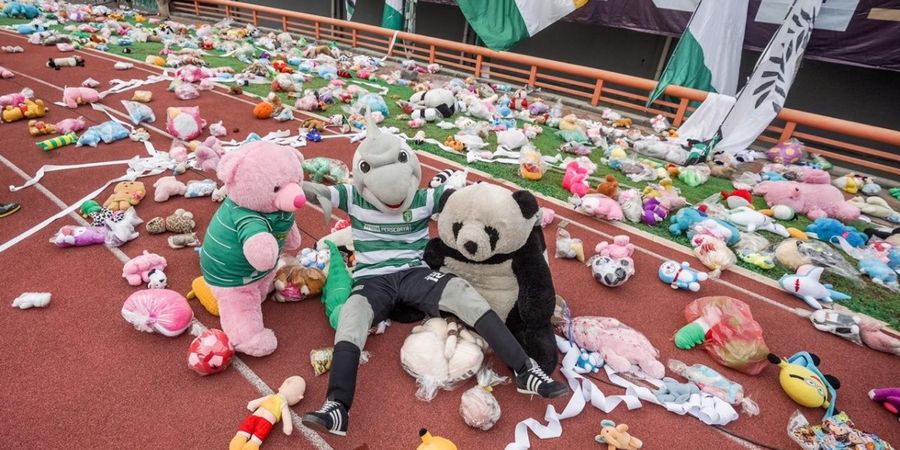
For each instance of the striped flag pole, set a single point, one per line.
(350, 7)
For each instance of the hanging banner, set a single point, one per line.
(857, 32)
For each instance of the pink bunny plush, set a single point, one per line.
(252, 227)
(137, 270)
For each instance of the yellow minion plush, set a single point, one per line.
(802, 381)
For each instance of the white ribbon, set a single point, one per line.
(137, 168)
(381, 89)
(391, 45)
(709, 409)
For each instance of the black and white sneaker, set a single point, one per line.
(534, 381)
(331, 417)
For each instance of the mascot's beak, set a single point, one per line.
(290, 198)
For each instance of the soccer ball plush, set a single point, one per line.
(210, 352)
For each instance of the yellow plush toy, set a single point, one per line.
(40, 128)
(29, 110)
(125, 195)
(430, 442)
(201, 291)
(802, 381)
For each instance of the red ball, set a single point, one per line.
(210, 352)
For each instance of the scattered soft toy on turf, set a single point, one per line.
(674, 392)
(681, 276)
(802, 381)
(714, 383)
(158, 311)
(6, 73)
(805, 285)
(430, 442)
(599, 206)
(40, 128)
(267, 411)
(621, 247)
(28, 109)
(125, 195)
(249, 231)
(137, 270)
(70, 125)
(439, 354)
(616, 437)
(18, 10)
(75, 96)
(69, 61)
(814, 200)
(653, 212)
(748, 219)
(184, 122)
(829, 230)
(876, 207)
(294, 283)
(879, 272)
(611, 272)
(167, 187)
(728, 332)
(32, 300)
(568, 247)
(888, 397)
(859, 330)
(210, 353)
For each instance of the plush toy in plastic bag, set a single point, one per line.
(327, 169)
(184, 123)
(713, 253)
(108, 132)
(199, 188)
(568, 247)
(623, 348)
(837, 432)
(138, 112)
(320, 359)
(728, 332)
(75, 236)
(439, 354)
(158, 311)
(531, 166)
(823, 255)
(715, 384)
(372, 102)
(478, 406)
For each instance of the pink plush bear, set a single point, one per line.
(208, 154)
(74, 96)
(600, 206)
(137, 270)
(814, 200)
(872, 335)
(252, 227)
(574, 179)
(620, 248)
(621, 346)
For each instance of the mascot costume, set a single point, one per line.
(389, 218)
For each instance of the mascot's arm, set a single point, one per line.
(258, 244)
(319, 194)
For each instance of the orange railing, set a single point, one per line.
(841, 140)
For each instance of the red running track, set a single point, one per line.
(78, 366)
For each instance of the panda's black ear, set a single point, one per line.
(527, 203)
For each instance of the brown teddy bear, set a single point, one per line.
(294, 283)
(125, 195)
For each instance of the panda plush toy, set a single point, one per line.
(433, 104)
(492, 238)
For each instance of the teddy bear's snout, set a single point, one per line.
(290, 197)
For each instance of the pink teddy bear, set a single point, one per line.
(814, 200)
(600, 206)
(137, 270)
(208, 154)
(620, 248)
(251, 228)
(574, 179)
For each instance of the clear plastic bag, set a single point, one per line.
(568, 247)
(713, 383)
(478, 406)
(138, 112)
(438, 358)
(531, 166)
(727, 331)
(823, 255)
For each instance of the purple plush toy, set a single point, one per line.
(72, 236)
(888, 397)
(654, 213)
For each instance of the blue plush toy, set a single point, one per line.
(20, 11)
(683, 219)
(880, 272)
(726, 231)
(681, 276)
(894, 258)
(588, 362)
(827, 229)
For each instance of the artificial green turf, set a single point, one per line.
(867, 297)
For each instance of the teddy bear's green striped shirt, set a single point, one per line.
(222, 260)
(387, 243)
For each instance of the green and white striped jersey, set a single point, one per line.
(387, 243)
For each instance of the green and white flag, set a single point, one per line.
(350, 6)
(502, 23)
(708, 55)
(762, 98)
(393, 15)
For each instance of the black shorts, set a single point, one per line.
(419, 289)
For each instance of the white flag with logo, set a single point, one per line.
(763, 96)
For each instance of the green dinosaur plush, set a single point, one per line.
(337, 285)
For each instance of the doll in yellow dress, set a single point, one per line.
(267, 411)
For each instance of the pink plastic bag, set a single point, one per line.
(158, 311)
(732, 338)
